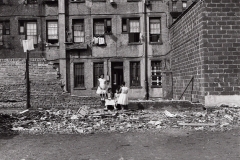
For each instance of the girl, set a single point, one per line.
(123, 98)
(101, 90)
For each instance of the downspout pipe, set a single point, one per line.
(146, 50)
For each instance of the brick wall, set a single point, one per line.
(221, 29)
(186, 51)
(205, 44)
(45, 85)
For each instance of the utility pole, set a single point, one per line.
(146, 49)
(27, 80)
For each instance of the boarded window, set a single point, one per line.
(135, 74)
(97, 71)
(78, 75)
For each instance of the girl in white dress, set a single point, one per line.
(102, 86)
(123, 98)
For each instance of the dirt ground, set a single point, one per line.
(169, 144)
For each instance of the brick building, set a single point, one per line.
(205, 46)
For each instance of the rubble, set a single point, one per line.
(86, 120)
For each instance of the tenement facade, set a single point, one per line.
(126, 40)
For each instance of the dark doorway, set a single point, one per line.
(117, 75)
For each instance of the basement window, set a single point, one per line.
(29, 29)
(156, 74)
(52, 32)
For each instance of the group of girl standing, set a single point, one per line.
(120, 96)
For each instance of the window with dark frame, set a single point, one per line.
(132, 27)
(97, 71)
(102, 27)
(78, 31)
(52, 32)
(174, 5)
(29, 29)
(4, 30)
(135, 74)
(79, 75)
(156, 67)
(155, 29)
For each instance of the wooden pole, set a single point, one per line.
(27, 79)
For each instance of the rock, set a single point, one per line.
(74, 117)
(168, 114)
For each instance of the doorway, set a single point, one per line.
(117, 75)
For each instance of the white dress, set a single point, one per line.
(102, 86)
(123, 98)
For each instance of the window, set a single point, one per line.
(97, 71)
(78, 75)
(4, 30)
(184, 5)
(101, 26)
(52, 32)
(155, 29)
(78, 31)
(156, 73)
(31, 1)
(134, 73)
(29, 29)
(132, 27)
(174, 6)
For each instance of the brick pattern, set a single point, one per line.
(221, 28)
(205, 44)
(45, 86)
(186, 51)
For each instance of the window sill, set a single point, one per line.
(155, 43)
(135, 43)
(136, 87)
(99, 45)
(156, 86)
(79, 88)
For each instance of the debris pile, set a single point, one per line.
(91, 120)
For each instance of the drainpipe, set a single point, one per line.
(62, 39)
(146, 50)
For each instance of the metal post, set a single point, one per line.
(27, 79)
(192, 87)
(146, 52)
